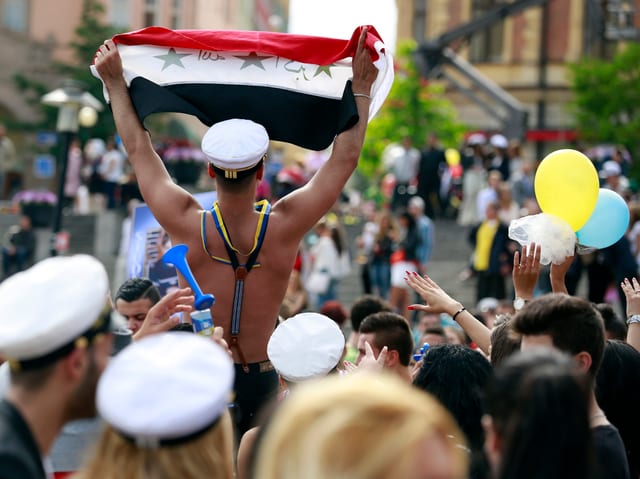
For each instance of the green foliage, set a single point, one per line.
(89, 35)
(606, 104)
(413, 108)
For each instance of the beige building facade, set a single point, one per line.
(33, 33)
(526, 55)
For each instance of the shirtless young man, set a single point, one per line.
(290, 219)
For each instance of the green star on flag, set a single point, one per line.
(253, 59)
(172, 58)
(324, 69)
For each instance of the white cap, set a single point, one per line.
(610, 168)
(488, 304)
(235, 145)
(166, 388)
(50, 305)
(476, 139)
(305, 346)
(499, 141)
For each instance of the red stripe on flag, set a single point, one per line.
(302, 48)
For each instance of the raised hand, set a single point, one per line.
(161, 317)
(631, 290)
(526, 270)
(436, 299)
(364, 71)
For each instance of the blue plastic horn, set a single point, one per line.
(177, 256)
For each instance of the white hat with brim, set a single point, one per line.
(235, 146)
(166, 389)
(305, 346)
(50, 305)
(499, 141)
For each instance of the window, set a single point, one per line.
(15, 14)
(119, 13)
(150, 13)
(176, 14)
(486, 46)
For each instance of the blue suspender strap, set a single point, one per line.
(241, 271)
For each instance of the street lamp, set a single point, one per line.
(75, 107)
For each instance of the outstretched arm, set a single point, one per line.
(631, 290)
(437, 301)
(557, 274)
(305, 206)
(166, 200)
(526, 270)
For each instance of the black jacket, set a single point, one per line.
(19, 454)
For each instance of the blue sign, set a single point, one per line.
(44, 166)
(46, 138)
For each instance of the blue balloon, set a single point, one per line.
(608, 222)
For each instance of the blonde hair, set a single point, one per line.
(365, 426)
(209, 455)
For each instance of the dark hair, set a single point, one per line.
(338, 241)
(437, 330)
(503, 343)
(613, 324)
(618, 394)
(183, 328)
(334, 310)
(364, 306)
(457, 375)
(539, 407)
(242, 182)
(390, 330)
(573, 324)
(137, 288)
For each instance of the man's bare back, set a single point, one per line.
(290, 219)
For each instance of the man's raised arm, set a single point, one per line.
(307, 205)
(165, 199)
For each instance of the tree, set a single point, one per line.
(606, 104)
(415, 108)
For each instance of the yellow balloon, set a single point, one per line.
(452, 156)
(566, 185)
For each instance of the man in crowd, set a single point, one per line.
(403, 163)
(236, 150)
(19, 247)
(55, 335)
(432, 164)
(10, 165)
(574, 326)
(391, 331)
(134, 299)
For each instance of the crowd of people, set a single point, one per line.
(418, 385)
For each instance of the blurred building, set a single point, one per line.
(33, 33)
(522, 57)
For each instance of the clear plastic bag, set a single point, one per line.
(555, 236)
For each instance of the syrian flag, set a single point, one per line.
(297, 86)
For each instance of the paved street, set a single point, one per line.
(450, 256)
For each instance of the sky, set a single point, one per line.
(339, 18)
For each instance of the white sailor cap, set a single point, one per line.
(235, 147)
(610, 168)
(165, 389)
(49, 307)
(499, 141)
(305, 346)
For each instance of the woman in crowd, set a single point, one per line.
(367, 426)
(379, 263)
(537, 422)
(153, 430)
(404, 259)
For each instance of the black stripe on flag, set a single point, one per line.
(302, 119)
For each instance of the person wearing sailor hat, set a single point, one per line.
(220, 255)
(164, 400)
(55, 334)
(303, 347)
